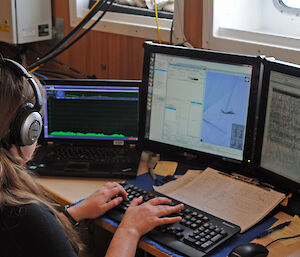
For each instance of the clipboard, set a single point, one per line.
(231, 197)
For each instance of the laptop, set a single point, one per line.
(90, 129)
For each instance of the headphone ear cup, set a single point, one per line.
(27, 126)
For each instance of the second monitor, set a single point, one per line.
(199, 102)
(278, 134)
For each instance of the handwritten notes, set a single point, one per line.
(241, 203)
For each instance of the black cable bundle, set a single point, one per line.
(60, 46)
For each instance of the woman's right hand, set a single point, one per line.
(141, 218)
(99, 202)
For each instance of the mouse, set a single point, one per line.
(249, 250)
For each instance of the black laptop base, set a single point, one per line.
(101, 162)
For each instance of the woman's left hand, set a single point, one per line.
(99, 202)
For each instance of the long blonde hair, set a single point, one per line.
(17, 186)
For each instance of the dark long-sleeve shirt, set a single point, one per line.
(32, 230)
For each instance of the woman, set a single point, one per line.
(30, 225)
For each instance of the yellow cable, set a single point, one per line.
(157, 25)
(88, 12)
(34, 69)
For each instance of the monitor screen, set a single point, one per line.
(91, 110)
(198, 100)
(280, 152)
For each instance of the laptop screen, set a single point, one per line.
(91, 110)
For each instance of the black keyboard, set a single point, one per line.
(197, 234)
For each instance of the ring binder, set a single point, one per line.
(248, 180)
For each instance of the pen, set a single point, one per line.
(271, 230)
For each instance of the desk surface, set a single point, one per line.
(69, 190)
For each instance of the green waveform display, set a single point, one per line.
(78, 134)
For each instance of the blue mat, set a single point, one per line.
(221, 251)
(145, 181)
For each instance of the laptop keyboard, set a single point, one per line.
(87, 161)
(101, 155)
(197, 234)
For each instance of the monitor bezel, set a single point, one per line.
(205, 55)
(278, 181)
(92, 82)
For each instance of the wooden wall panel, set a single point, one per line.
(113, 56)
(193, 10)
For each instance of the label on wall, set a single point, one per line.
(4, 27)
(43, 30)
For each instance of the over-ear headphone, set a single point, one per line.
(26, 127)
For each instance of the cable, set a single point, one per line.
(55, 76)
(58, 72)
(85, 32)
(59, 51)
(157, 24)
(290, 237)
(88, 29)
(34, 69)
(74, 70)
(52, 52)
(66, 66)
(90, 14)
(40, 75)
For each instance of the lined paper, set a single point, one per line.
(233, 200)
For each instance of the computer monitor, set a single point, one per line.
(198, 103)
(91, 110)
(278, 132)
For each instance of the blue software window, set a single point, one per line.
(199, 105)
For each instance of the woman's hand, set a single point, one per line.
(140, 219)
(99, 202)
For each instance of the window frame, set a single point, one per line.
(131, 24)
(288, 8)
(249, 42)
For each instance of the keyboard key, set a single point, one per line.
(179, 234)
(207, 244)
(190, 239)
(216, 238)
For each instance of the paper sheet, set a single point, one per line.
(171, 186)
(290, 230)
(230, 199)
(165, 168)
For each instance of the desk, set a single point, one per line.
(69, 190)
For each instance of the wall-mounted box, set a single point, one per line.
(24, 21)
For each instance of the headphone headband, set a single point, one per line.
(22, 72)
